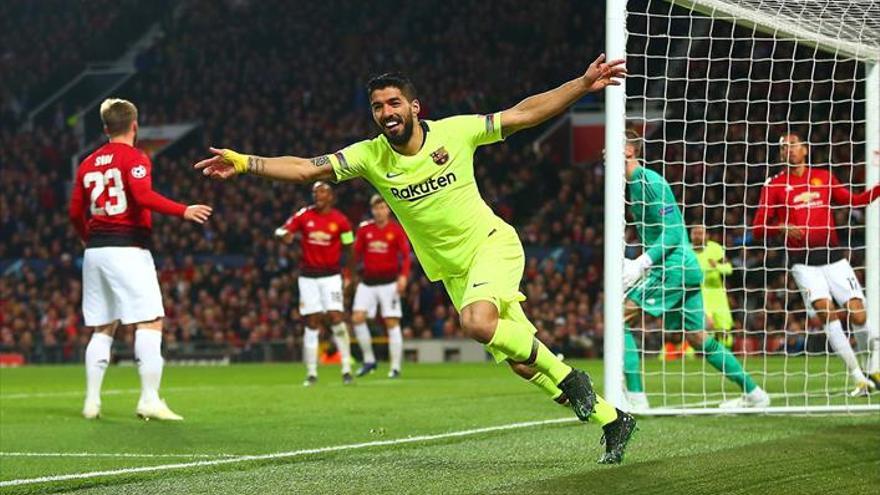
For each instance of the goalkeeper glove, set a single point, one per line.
(633, 270)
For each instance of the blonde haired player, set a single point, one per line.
(111, 207)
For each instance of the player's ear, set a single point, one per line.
(416, 106)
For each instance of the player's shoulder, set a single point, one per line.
(366, 223)
(652, 176)
(131, 155)
(369, 148)
(460, 122)
(778, 178)
(304, 210)
(339, 215)
(821, 173)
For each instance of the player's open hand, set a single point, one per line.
(224, 164)
(198, 213)
(794, 232)
(601, 74)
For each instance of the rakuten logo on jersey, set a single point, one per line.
(415, 192)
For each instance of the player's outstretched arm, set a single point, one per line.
(227, 163)
(841, 195)
(538, 108)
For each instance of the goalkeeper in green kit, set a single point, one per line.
(665, 282)
(425, 172)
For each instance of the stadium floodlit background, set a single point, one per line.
(282, 78)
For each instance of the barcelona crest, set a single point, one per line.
(440, 156)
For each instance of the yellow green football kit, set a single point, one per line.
(457, 238)
(714, 293)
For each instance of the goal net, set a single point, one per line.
(713, 87)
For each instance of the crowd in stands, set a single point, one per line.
(46, 43)
(265, 78)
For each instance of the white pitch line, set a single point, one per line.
(125, 391)
(111, 454)
(282, 455)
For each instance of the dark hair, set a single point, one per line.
(392, 80)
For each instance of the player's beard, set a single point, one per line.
(403, 137)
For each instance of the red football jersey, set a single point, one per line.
(321, 238)
(384, 251)
(112, 197)
(805, 202)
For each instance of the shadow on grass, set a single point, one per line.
(842, 460)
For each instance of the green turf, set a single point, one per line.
(262, 409)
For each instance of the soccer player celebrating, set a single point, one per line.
(323, 231)
(424, 170)
(110, 207)
(715, 267)
(795, 206)
(665, 281)
(382, 246)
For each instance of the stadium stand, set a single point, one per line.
(232, 284)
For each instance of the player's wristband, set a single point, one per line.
(280, 232)
(644, 261)
(238, 160)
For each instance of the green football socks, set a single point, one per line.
(724, 361)
(631, 370)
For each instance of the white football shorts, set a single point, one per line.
(320, 294)
(120, 283)
(835, 281)
(368, 298)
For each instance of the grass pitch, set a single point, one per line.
(426, 433)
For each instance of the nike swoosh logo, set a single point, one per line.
(481, 283)
(391, 175)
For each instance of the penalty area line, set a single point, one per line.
(282, 455)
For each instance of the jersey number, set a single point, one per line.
(111, 180)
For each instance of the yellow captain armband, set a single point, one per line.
(347, 238)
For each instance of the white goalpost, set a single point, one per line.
(712, 87)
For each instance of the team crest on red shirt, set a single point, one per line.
(389, 236)
(816, 181)
(332, 227)
(440, 156)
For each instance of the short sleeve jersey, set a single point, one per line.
(433, 193)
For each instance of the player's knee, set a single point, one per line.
(523, 370)
(858, 316)
(358, 317)
(150, 325)
(824, 310)
(336, 317)
(479, 323)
